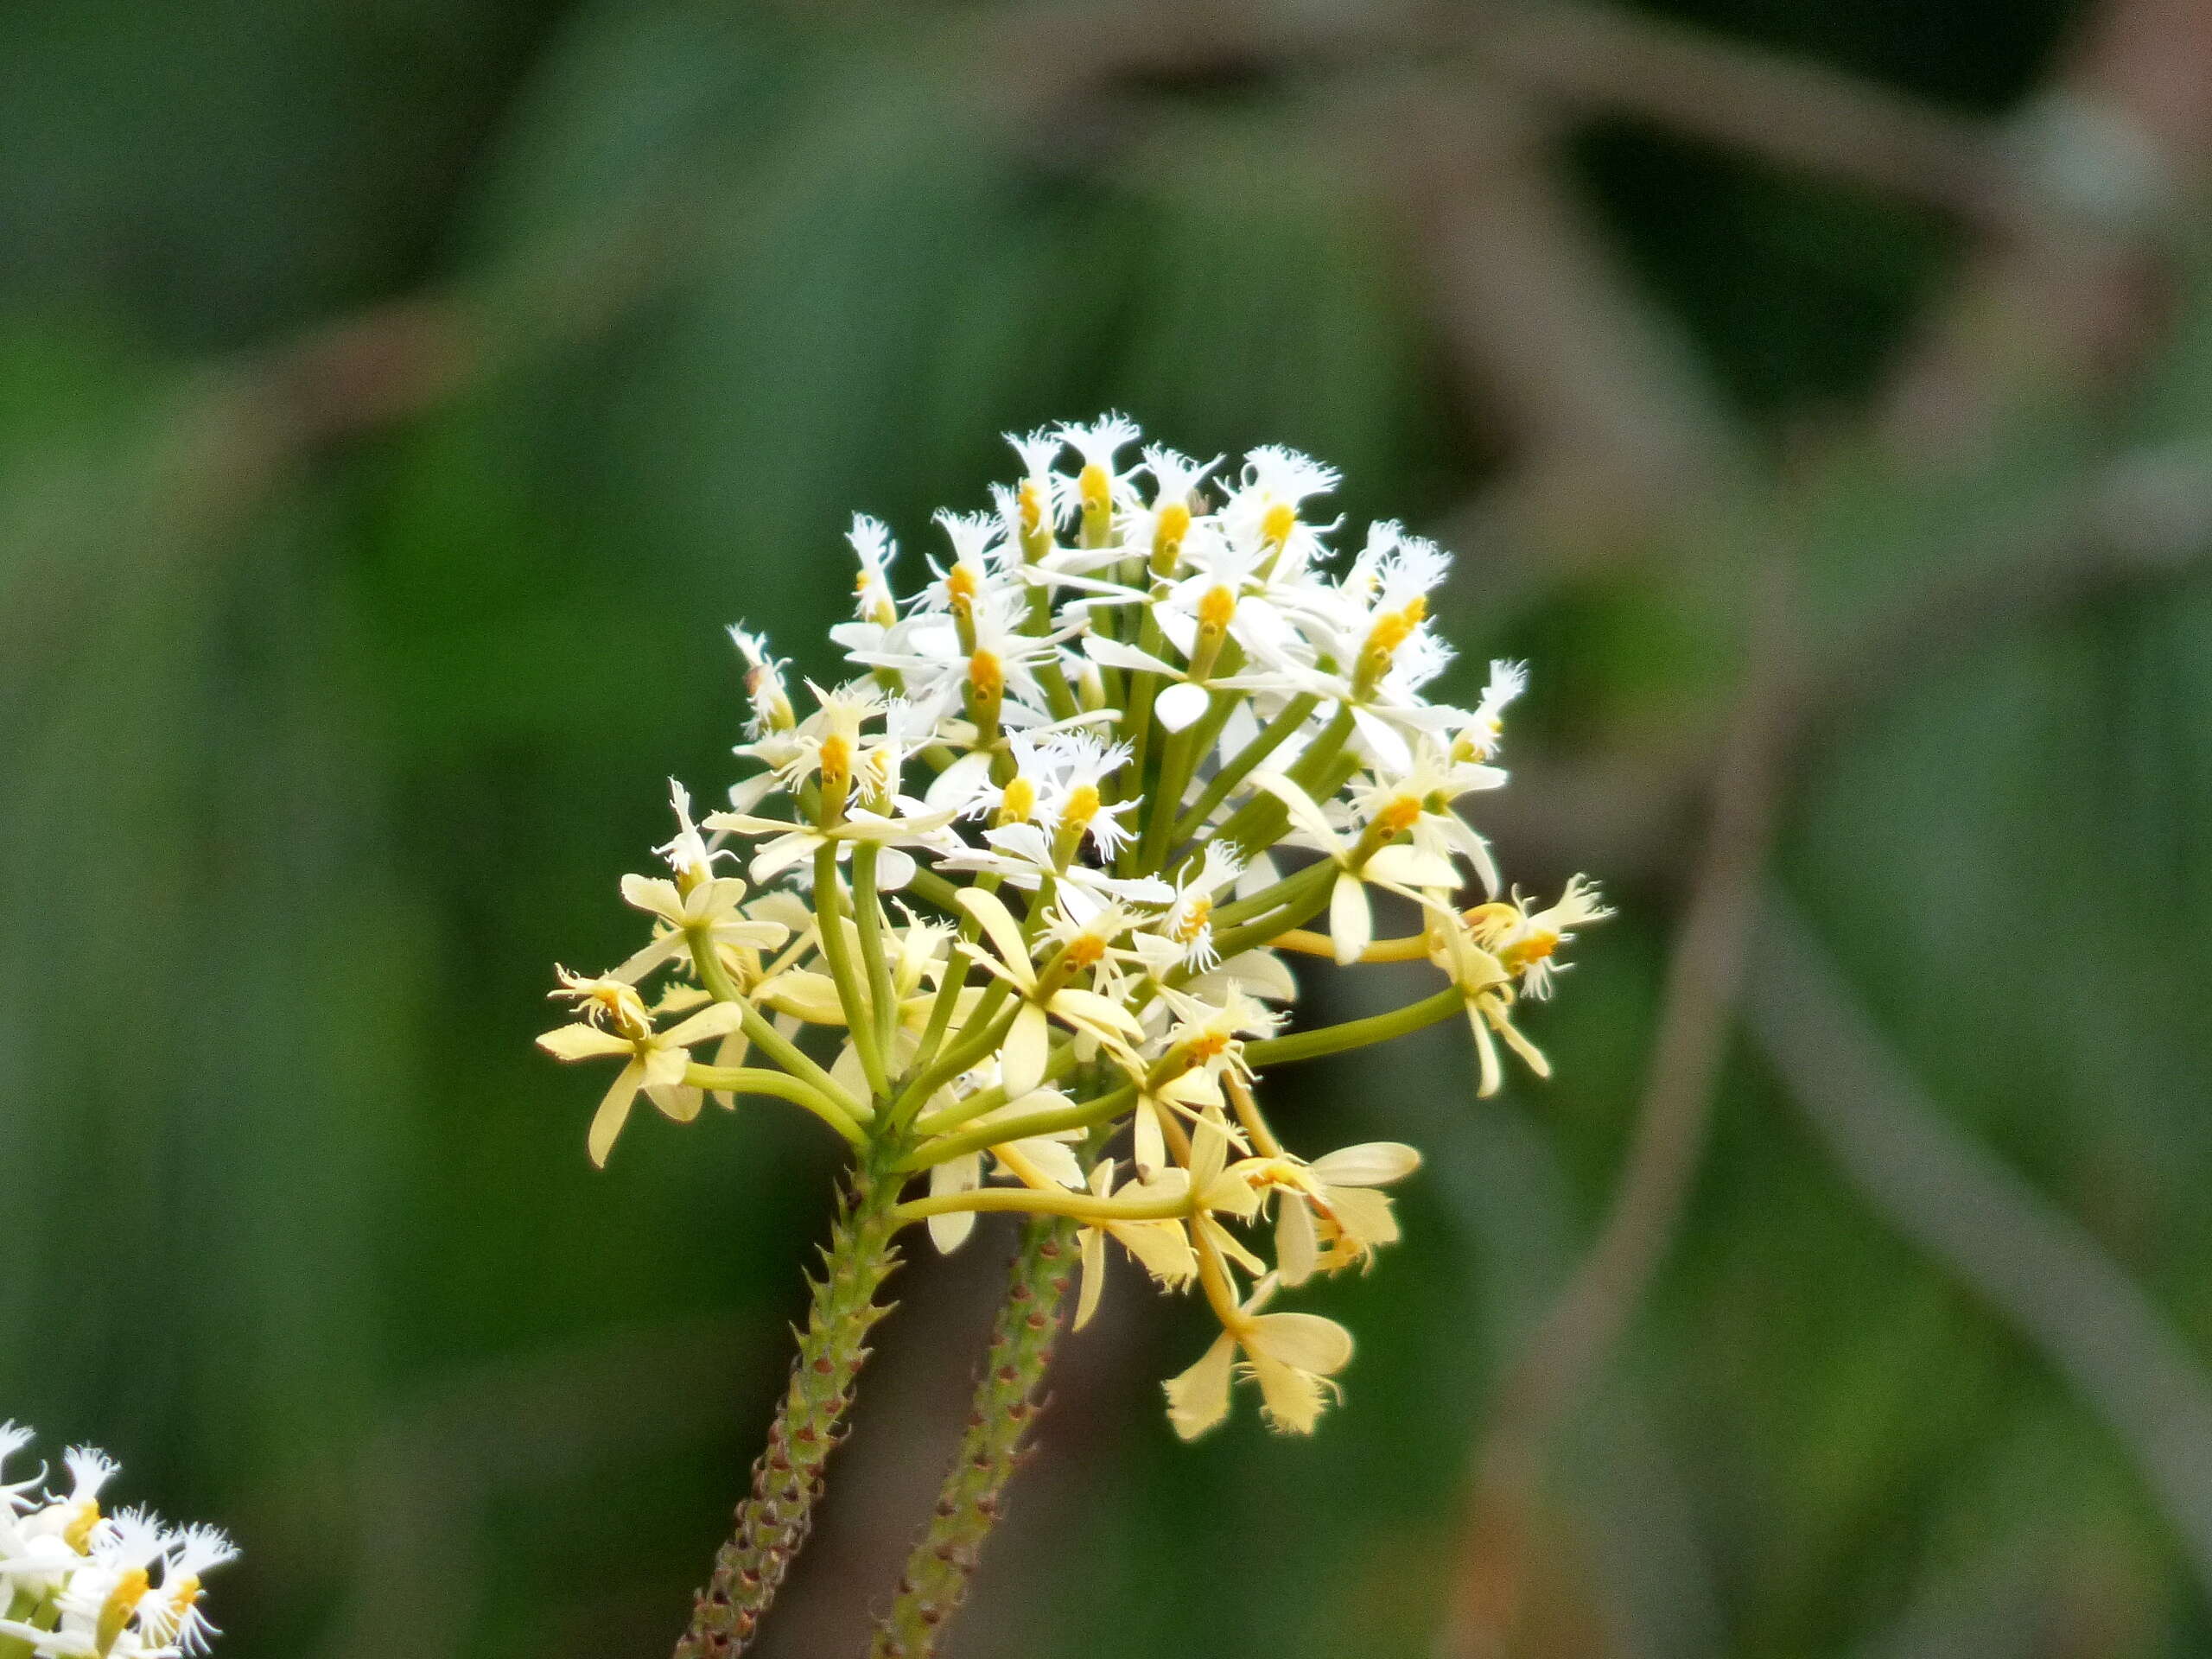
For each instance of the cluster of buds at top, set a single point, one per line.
(77, 1583)
(1133, 734)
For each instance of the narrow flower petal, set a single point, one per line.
(1028, 1046)
(1305, 810)
(613, 1112)
(1090, 1266)
(1199, 1398)
(1296, 1247)
(1372, 1163)
(997, 921)
(583, 1042)
(1352, 921)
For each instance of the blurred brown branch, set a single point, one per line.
(251, 421)
(2073, 290)
(1610, 421)
(1965, 376)
(1547, 1380)
(1970, 1212)
(1602, 59)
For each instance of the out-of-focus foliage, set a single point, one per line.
(309, 773)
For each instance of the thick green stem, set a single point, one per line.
(759, 1080)
(1357, 1033)
(764, 1036)
(1006, 1402)
(1306, 895)
(1259, 823)
(1277, 731)
(1045, 1120)
(837, 952)
(773, 1521)
(868, 911)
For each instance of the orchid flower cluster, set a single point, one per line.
(77, 1583)
(1023, 889)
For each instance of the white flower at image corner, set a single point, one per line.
(110, 1608)
(43, 1539)
(612, 1019)
(77, 1584)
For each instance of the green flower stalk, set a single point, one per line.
(1018, 913)
(1006, 1406)
(774, 1520)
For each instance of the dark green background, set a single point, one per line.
(309, 772)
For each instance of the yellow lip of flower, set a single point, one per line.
(1375, 846)
(1538, 946)
(1094, 488)
(183, 1597)
(78, 1534)
(1277, 523)
(1391, 630)
(987, 674)
(1170, 524)
(1080, 807)
(1017, 802)
(116, 1613)
(1217, 608)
